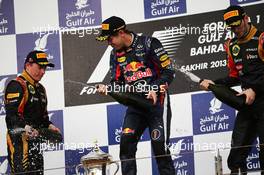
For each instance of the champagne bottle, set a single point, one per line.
(45, 134)
(228, 96)
(132, 99)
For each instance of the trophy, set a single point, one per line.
(96, 162)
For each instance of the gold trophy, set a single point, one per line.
(96, 162)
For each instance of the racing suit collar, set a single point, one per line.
(132, 45)
(134, 39)
(27, 77)
(249, 35)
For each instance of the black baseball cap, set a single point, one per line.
(233, 15)
(110, 26)
(38, 57)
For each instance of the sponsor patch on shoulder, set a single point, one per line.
(121, 59)
(164, 57)
(165, 63)
(12, 95)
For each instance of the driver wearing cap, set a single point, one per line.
(245, 55)
(26, 107)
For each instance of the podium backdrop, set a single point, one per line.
(191, 31)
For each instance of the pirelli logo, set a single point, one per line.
(231, 14)
(105, 26)
(41, 55)
(166, 63)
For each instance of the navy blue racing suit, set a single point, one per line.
(145, 62)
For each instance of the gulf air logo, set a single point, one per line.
(175, 149)
(215, 106)
(80, 4)
(41, 43)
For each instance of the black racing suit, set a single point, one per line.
(26, 104)
(145, 62)
(246, 67)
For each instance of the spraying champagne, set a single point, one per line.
(221, 92)
(128, 98)
(45, 134)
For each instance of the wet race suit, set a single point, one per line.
(246, 67)
(26, 104)
(144, 62)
